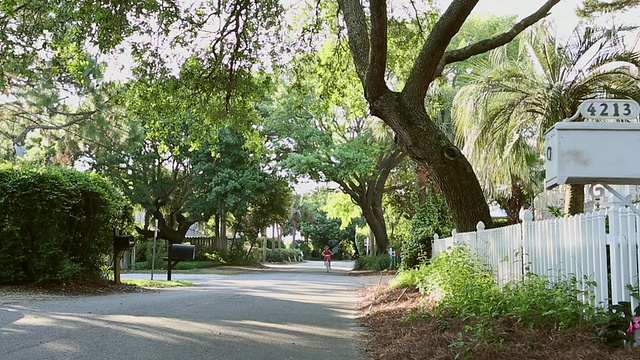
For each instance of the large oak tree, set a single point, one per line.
(404, 110)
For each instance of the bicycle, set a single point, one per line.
(327, 262)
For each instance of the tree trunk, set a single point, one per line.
(514, 203)
(405, 113)
(293, 236)
(375, 219)
(368, 196)
(217, 226)
(422, 176)
(356, 252)
(167, 232)
(248, 253)
(574, 204)
(295, 223)
(274, 238)
(372, 243)
(264, 249)
(447, 166)
(280, 242)
(223, 226)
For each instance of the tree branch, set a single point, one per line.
(498, 40)
(375, 84)
(18, 139)
(349, 189)
(358, 35)
(386, 165)
(82, 114)
(425, 68)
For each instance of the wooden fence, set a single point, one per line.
(600, 247)
(207, 242)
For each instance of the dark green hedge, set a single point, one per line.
(56, 223)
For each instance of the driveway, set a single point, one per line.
(285, 312)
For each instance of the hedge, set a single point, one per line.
(56, 223)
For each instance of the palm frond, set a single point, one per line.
(502, 115)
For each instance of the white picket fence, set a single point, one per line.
(574, 246)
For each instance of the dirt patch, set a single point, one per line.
(399, 327)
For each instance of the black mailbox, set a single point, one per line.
(182, 252)
(120, 244)
(177, 253)
(123, 242)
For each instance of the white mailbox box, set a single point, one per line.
(588, 152)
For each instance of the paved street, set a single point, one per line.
(286, 312)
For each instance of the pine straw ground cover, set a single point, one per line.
(398, 329)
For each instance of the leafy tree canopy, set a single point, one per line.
(592, 8)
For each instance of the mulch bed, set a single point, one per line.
(398, 329)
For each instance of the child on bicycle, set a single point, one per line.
(327, 255)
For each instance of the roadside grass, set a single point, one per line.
(155, 283)
(212, 271)
(196, 267)
(183, 265)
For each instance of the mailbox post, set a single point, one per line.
(120, 244)
(177, 253)
(596, 153)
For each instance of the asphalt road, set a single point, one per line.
(287, 312)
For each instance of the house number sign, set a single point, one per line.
(616, 109)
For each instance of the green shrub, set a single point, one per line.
(216, 255)
(462, 287)
(202, 251)
(460, 282)
(56, 223)
(375, 263)
(161, 253)
(616, 326)
(286, 254)
(141, 265)
(360, 238)
(539, 302)
(408, 278)
(241, 254)
(432, 217)
(183, 265)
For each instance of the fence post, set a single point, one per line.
(598, 227)
(525, 239)
(617, 288)
(632, 251)
(590, 263)
(480, 246)
(624, 239)
(435, 245)
(454, 240)
(636, 253)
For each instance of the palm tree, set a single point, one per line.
(502, 115)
